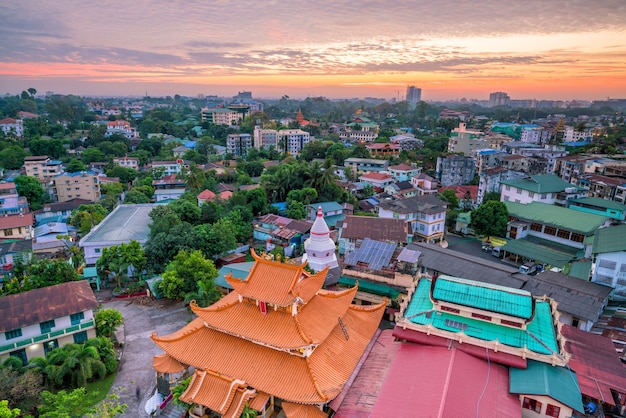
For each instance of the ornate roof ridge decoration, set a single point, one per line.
(191, 328)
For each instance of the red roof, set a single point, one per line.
(377, 176)
(596, 363)
(461, 190)
(15, 221)
(8, 121)
(206, 195)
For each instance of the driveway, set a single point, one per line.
(142, 317)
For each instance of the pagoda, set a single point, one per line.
(319, 248)
(277, 341)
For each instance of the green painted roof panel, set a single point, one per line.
(540, 183)
(371, 287)
(489, 297)
(611, 239)
(601, 203)
(540, 253)
(559, 383)
(557, 216)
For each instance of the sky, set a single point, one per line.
(451, 49)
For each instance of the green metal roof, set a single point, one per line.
(580, 270)
(539, 336)
(371, 287)
(89, 272)
(540, 183)
(557, 216)
(559, 383)
(239, 270)
(601, 203)
(541, 253)
(611, 239)
(489, 297)
(326, 206)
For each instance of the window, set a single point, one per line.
(8, 232)
(518, 191)
(49, 346)
(80, 337)
(552, 411)
(508, 188)
(97, 250)
(549, 230)
(510, 323)
(46, 326)
(535, 227)
(449, 309)
(532, 404)
(77, 317)
(577, 237)
(543, 196)
(483, 317)
(14, 333)
(563, 233)
(531, 194)
(20, 354)
(455, 324)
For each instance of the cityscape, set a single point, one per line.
(313, 210)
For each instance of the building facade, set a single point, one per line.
(453, 170)
(42, 167)
(81, 185)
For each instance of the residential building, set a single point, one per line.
(573, 135)
(378, 180)
(358, 136)
(424, 184)
(400, 190)
(238, 144)
(80, 185)
(170, 167)
(16, 226)
(536, 135)
(499, 98)
(609, 259)
(125, 224)
(543, 188)
(221, 116)
(304, 343)
(10, 202)
(427, 215)
(487, 158)
(121, 127)
(364, 165)
(413, 94)
(513, 163)
(51, 238)
(13, 251)
(12, 127)
(332, 212)
(455, 170)
(291, 141)
(465, 141)
(570, 167)
(383, 150)
(265, 138)
(620, 194)
(37, 321)
(599, 206)
(42, 167)
(277, 230)
(407, 142)
(168, 188)
(549, 153)
(354, 229)
(127, 162)
(403, 172)
(58, 212)
(600, 186)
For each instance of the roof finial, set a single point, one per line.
(319, 212)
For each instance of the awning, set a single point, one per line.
(371, 287)
(595, 389)
(541, 253)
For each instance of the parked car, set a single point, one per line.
(529, 268)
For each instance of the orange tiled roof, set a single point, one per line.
(310, 326)
(259, 401)
(296, 410)
(277, 283)
(165, 364)
(314, 379)
(221, 394)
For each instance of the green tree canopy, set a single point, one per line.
(86, 217)
(75, 166)
(490, 219)
(12, 157)
(449, 195)
(31, 189)
(184, 272)
(107, 320)
(118, 261)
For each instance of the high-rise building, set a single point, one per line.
(413, 94)
(499, 98)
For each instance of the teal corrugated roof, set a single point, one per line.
(489, 297)
(239, 270)
(540, 253)
(559, 383)
(557, 216)
(539, 336)
(580, 270)
(326, 206)
(611, 239)
(540, 183)
(601, 203)
(89, 272)
(370, 287)
(332, 220)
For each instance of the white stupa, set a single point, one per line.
(319, 248)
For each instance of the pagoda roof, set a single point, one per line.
(306, 380)
(310, 326)
(165, 364)
(279, 284)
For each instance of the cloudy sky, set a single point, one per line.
(544, 49)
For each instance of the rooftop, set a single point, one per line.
(540, 183)
(124, 224)
(599, 202)
(378, 229)
(611, 239)
(557, 216)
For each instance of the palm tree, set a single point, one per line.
(76, 364)
(206, 294)
(47, 370)
(195, 178)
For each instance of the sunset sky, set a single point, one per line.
(452, 49)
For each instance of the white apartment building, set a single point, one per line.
(42, 167)
(238, 144)
(265, 138)
(291, 141)
(127, 162)
(121, 127)
(221, 116)
(10, 126)
(426, 214)
(466, 141)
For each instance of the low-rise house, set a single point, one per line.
(168, 188)
(58, 212)
(424, 184)
(403, 172)
(490, 181)
(383, 150)
(127, 162)
(12, 127)
(10, 202)
(427, 215)
(543, 188)
(599, 206)
(378, 180)
(354, 229)
(332, 212)
(51, 238)
(17, 226)
(366, 165)
(407, 142)
(125, 224)
(279, 230)
(401, 189)
(13, 251)
(121, 127)
(545, 390)
(35, 322)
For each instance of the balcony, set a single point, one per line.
(47, 336)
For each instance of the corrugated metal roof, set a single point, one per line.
(371, 287)
(557, 216)
(599, 202)
(539, 378)
(125, 223)
(611, 239)
(540, 183)
(489, 297)
(376, 254)
(541, 253)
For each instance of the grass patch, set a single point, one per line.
(98, 390)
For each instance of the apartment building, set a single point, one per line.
(238, 144)
(82, 185)
(455, 170)
(221, 116)
(121, 127)
(42, 167)
(10, 126)
(465, 141)
(127, 162)
(265, 138)
(291, 141)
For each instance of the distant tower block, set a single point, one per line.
(413, 94)
(319, 248)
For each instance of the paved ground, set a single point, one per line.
(135, 372)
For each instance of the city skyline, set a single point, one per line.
(557, 50)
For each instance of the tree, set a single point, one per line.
(495, 196)
(21, 389)
(40, 273)
(75, 166)
(76, 364)
(91, 155)
(490, 218)
(107, 320)
(184, 272)
(296, 210)
(6, 412)
(118, 261)
(135, 197)
(109, 407)
(449, 195)
(87, 216)
(31, 189)
(214, 240)
(12, 157)
(63, 404)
